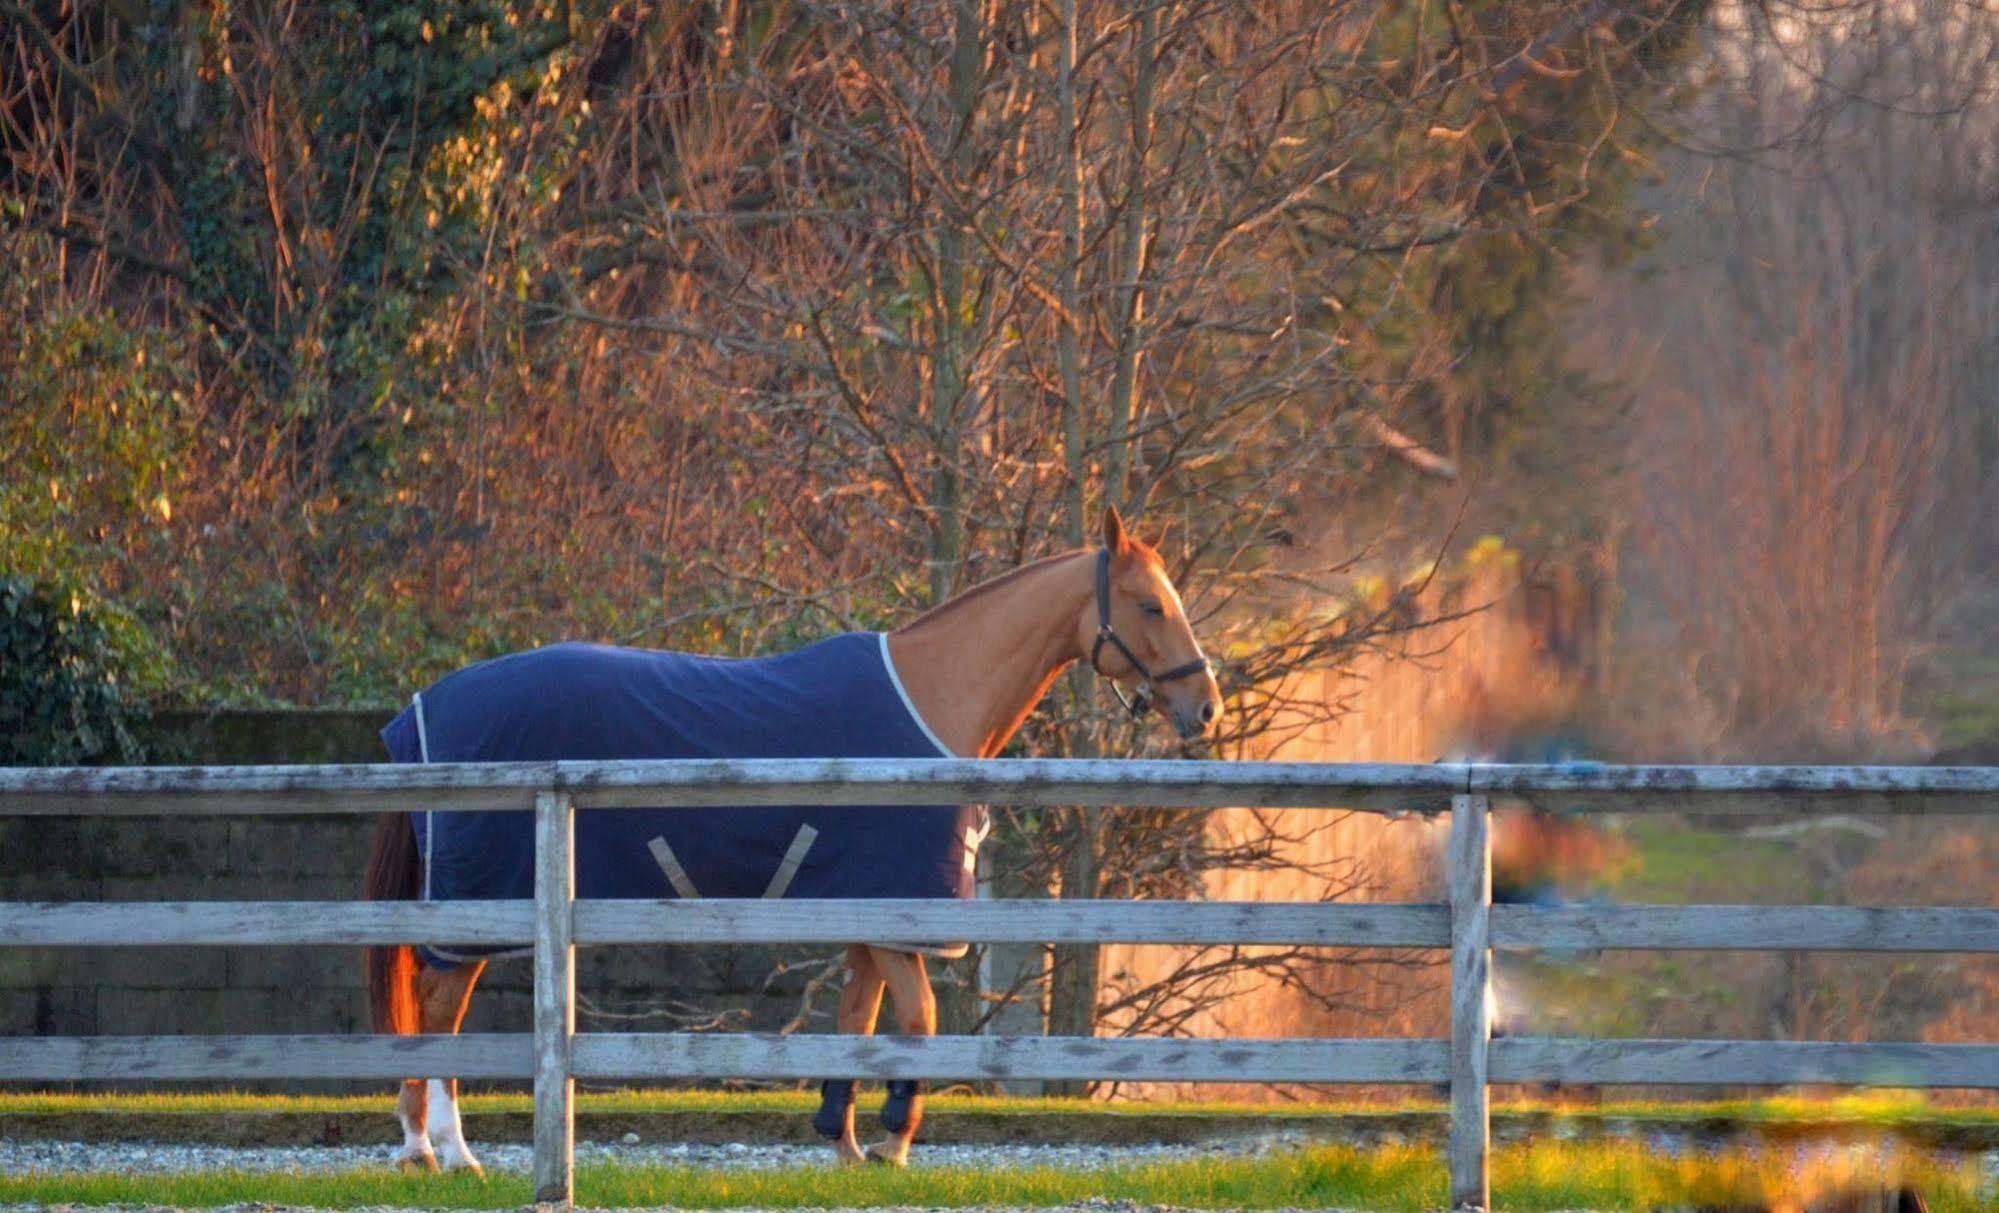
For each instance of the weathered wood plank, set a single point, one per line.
(1585, 787)
(607, 1055)
(808, 921)
(255, 790)
(1022, 781)
(554, 1001)
(1748, 928)
(99, 924)
(681, 1055)
(96, 1058)
(1722, 928)
(1744, 1063)
(1470, 883)
(232, 923)
(679, 783)
(758, 1055)
(1381, 787)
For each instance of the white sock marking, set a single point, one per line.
(416, 1140)
(446, 1131)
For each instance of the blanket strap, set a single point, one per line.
(675, 874)
(787, 868)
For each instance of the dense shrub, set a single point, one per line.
(61, 699)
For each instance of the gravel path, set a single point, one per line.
(17, 1156)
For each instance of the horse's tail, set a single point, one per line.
(395, 873)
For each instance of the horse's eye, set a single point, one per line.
(1153, 609)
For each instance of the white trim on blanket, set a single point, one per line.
(947, 951)
(888, 663)
(429, 819)
(429, 834)
(422, 733)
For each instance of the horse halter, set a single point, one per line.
(1141, 699)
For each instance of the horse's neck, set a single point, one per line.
(976, 666)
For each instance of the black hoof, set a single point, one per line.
(836, 1099)
(899, 1109)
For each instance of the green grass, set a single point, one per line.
(1541, 1176)
(1885, 1108)
(1875, 1108)
(635, 1100)
(1678, 864)
(1957, 693)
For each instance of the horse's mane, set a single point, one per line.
(1012, 575)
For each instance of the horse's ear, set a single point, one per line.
(1116, 542)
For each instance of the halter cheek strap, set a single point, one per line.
(1141, 699)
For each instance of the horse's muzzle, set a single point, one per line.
(1193, 719)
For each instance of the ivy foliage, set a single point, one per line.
(321, 274)
(62, 702)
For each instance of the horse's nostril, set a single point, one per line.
(1208, 713)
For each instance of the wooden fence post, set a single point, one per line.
(1470, 880)
(554, 1000)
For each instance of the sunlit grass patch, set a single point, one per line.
(1541, 1176)
(1879, 1108)
(1673, 863)
(1740, 1179)
(1875, 1108)
(639, 1100)
(1872, 1108)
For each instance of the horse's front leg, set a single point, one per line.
(429, 1111)
(860, 1006)
(916, 1015)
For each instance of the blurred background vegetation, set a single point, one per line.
(346, 343)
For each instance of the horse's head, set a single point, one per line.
(1137, 634)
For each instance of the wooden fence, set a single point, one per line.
(555, 922)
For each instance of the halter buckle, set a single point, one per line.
(1138, 702)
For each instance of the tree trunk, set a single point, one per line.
(1072, 987)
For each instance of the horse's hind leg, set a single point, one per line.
(860, 1005)
(429, 1110)
(916, 1015)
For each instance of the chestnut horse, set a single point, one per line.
(971, 670)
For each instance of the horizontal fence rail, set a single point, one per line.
(720, 921)
(98, 924)
(700, 783)
(554, 1055)
(1381, 787)
(99, 1058)
(1744, 1063)
(609, 1055)
(1745, 928)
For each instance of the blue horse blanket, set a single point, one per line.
(837, 698)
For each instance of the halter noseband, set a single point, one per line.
(1141, 699)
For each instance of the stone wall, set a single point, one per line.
(187, 991)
